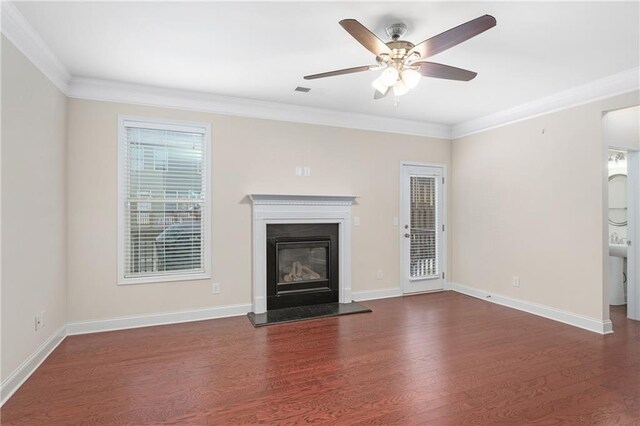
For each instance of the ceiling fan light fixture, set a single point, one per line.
(389, 76)
(380, 86)
(400, 88)
(402, 62)
(411, 77)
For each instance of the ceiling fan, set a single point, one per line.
(405, 63)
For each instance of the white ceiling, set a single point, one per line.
(262, 50)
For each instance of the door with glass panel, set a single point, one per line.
(422, 228)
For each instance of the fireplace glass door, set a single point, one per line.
(302, 265)
(302, 262)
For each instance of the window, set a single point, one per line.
(164, 201)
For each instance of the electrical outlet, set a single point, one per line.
(215, 288)
(515, 281)
(356, 220)
(379, 275)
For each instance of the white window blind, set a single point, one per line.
(424, 250)
(165, 201)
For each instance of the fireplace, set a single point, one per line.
(302, 264)
(333, 245)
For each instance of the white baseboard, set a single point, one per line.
(587, 323)
(376, 294)
(26, 369)
(137, 321)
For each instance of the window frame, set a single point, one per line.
(163, 124)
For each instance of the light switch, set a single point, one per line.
(298, 171)
(356, 220)
(307, 171)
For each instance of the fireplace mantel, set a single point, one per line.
(282, 208)
(316, 200)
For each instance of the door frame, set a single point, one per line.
(633, 233)
(446, 285)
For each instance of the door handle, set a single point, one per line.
(407, 235)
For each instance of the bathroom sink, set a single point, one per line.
(618, 250)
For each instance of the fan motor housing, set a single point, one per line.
(400, 49)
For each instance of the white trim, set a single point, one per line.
(300, 200)
(29, 366)
(155, 124)
(444, 216)
(267, 209)
(25, 38)
(604, 254)
(137, 321)
(615, 84)
(20, 375)
(633, 235)
(587, 323)
(11, 384)
(205, 128)
(112, 91)
(385, 293)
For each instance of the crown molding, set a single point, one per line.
(17, 30)
(113, 91)
(613, 85)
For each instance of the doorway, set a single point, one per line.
(422, 227)
(622, 189)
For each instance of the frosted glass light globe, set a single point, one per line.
(411, 78)
(389, 76)
(379, 86)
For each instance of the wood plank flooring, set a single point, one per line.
(437, 359)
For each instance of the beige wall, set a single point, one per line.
(527, 200)
(248, 156)
(33, 207)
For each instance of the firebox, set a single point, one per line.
(302, 264)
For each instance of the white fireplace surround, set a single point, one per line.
(285, 209)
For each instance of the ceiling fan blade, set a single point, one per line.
(431, 69)
(454, 36)
(365, 37)
(340, 72)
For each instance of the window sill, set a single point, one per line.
(164, 278)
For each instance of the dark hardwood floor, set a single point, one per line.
(437, 359)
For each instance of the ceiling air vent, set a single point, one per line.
(302, 89)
